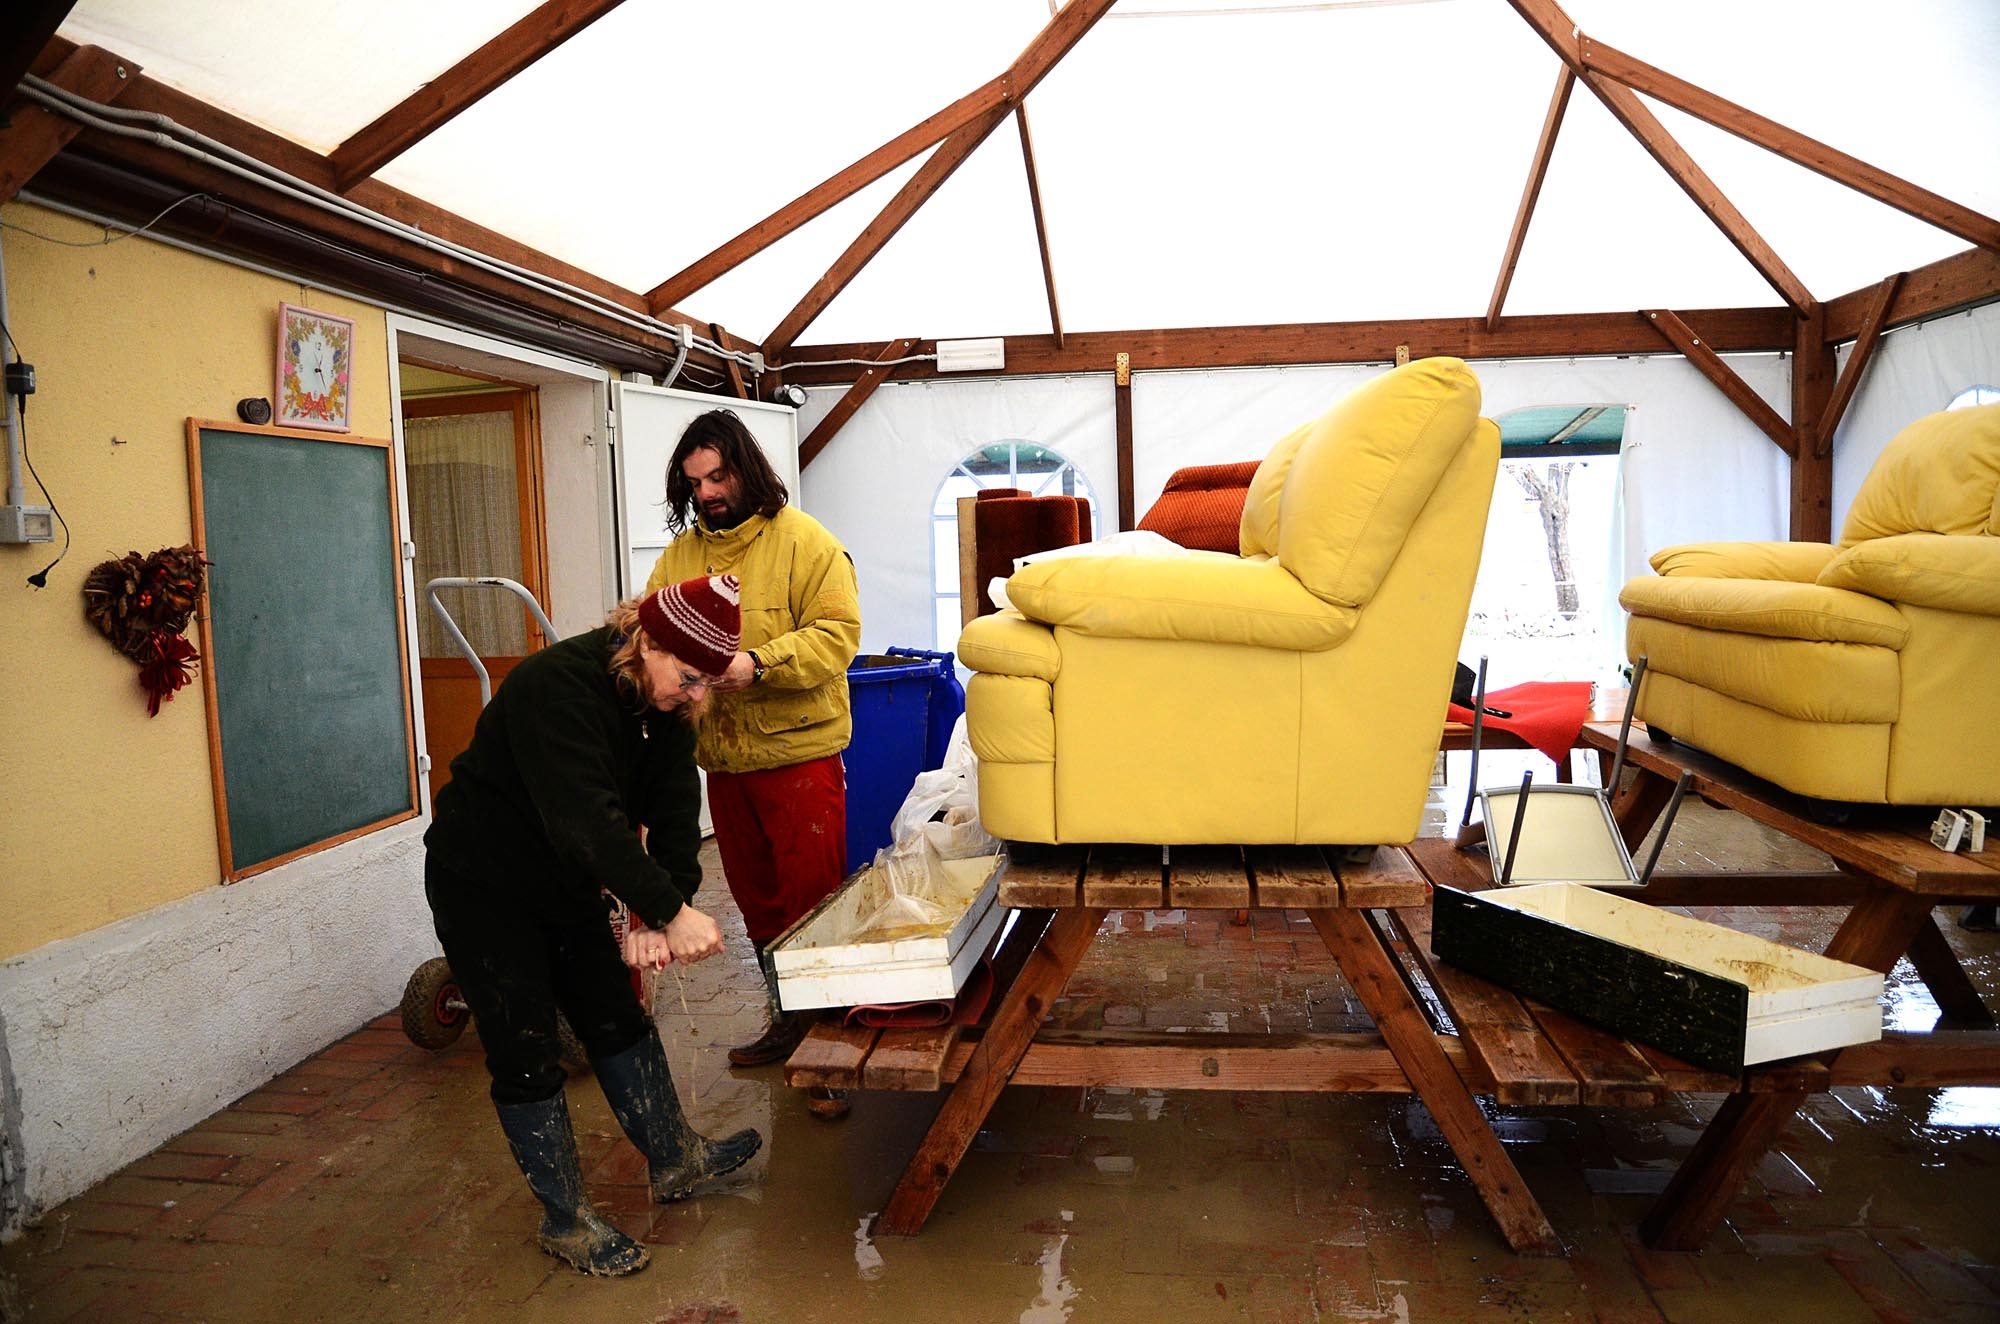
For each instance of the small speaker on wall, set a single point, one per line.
(254, 409)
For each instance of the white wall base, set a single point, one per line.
(115, 1041)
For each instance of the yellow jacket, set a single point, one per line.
(801, 616)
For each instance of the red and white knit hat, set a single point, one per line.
(699, 621)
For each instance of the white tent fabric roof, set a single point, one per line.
(1201, 164)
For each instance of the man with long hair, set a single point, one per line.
(779, 719)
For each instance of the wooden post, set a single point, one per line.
(1812, 458)
(1121, 400)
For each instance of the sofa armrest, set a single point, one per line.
(1204, 597)
(1793, 562)
(1007, 644)
(1952, 572)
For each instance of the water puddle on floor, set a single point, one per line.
(1056, 1291)
(1116, 1103)
(868, 1265)
(1965, 1107)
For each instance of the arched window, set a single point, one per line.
(1975, 395)
(1035, 469)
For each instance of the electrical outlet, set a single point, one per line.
(27, 524)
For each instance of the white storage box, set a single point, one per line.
(1709, 995)
(829, 959)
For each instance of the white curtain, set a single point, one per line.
(465, 518)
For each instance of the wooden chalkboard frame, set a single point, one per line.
(231, 871)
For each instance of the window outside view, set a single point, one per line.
(1539, 605)
(1034, 469)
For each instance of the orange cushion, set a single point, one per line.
(1201, 506)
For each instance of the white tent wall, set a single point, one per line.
(1695, 467)
(1916, 370)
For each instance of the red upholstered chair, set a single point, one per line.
(1002, 523)
(1201, 506)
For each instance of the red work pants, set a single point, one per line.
(782, 834)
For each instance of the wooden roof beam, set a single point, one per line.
(1678, 334)
(1795, 147)
(1767, 330)
(1537, 172)
(445, 97)
(32, 135)
(1963, 280)
(1555, 27)
(1056, 40)
(1041, 225)
(829, 193)
(1864, 349)
(857, 395)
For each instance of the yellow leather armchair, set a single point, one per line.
(1865, 671)
(1290, 694)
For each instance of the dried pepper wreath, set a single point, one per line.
(142, 604)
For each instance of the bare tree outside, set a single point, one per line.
(1550, 489)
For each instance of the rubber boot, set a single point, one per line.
(545, 1148)
(781, 1036)
(641, 1092)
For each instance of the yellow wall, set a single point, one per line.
(107, 812)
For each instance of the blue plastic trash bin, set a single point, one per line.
(905, 703)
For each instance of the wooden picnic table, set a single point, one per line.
(1063, 895)
(1441, 1033)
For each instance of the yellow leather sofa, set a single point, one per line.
(1292, 694)
(1865, 671)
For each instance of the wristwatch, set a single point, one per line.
(756, 668)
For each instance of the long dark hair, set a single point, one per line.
(721, 431)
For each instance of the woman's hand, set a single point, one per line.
(692, 936)
(646, 949)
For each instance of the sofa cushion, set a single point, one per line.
(1201, 506)
(1805, 680)
(1203, 596)
(1925, 570)
(1366, 469)
(1798, 562)
(1258, 534)
(1771, 608)
(1941, 474)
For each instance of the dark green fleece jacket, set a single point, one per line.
(544, 805)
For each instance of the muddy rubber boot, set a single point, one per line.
(545, 1148)
(780, 1037)
(641, 1092)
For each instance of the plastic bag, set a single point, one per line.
(904, 892)
(942, 807)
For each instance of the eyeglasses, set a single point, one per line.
(690, 681)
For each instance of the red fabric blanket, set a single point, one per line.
(1547, 714)
(965, 1009)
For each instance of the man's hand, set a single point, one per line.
(692, 936)
(737, 676)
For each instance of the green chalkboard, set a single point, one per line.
(302, 639)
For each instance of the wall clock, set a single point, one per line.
(315, 369)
